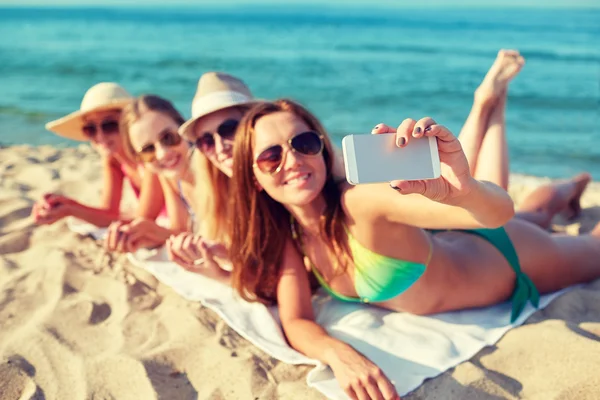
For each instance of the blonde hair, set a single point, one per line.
(214, 194)
(133, 112)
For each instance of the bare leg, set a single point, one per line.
(493, 161)
(492, 89)
(473, 131)
(549, 200)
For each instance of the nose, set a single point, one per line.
(290, 158)
(100, 137)
(222, 146)
(161, 151)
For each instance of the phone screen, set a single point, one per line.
(376, 158)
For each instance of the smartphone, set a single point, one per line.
(376, 158)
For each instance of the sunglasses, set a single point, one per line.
(109, 127)
(206, 142)
(271, 160)
(167, 139)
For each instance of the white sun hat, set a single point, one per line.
(100, 97)
(216, 91)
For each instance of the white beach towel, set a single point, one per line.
(408, 348)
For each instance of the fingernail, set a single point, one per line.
(395, 187)
(401, 141)
(418, 130)
(376, 126)
(428, 129)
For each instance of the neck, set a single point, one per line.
(309, 216)
(120, 157)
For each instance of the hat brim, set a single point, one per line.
(216, 103)
(70, 125)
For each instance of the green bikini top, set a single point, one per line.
(377, 278)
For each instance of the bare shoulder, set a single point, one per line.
(363, 201)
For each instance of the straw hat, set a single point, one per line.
(100, 97)
(216, 91)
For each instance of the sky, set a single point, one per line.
(358, 3)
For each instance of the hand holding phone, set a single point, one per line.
(454, 177)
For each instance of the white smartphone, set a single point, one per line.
(376, 158)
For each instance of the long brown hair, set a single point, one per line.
(134, 110)
(259, 225)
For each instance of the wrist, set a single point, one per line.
(332, 352)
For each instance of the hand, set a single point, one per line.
(455, 180)
(359, 377)
(193, 253)
(129, 236)
(51, 208)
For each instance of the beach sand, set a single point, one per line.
(78, 323)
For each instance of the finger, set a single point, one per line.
(183, 263)
(382, 128)
(188, 248)
(350, 393)
(204, 250)
(421, 127)
(361, 392)
(112, 237)
(121, 242)
(387, 388)
(441, 132)
(404, 131)
(408, 187)
(372, 389)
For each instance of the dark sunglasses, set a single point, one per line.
(206, 142)
(109, 127)
(271, 160)
(167, 139)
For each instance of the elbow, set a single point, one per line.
(501, 214)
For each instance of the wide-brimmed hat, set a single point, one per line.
(216, 91)
(100, 97)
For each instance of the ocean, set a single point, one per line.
(353, 67)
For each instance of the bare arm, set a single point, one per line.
(178, 215)
(454, 200)
(152, 199)
(486, 206)
(356, 374)
(111, 199)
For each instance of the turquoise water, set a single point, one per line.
(353, 67)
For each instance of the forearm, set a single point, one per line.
(97, 216)
(489, 204)
(311, 339)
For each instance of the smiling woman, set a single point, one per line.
(97, 121)
(150, 132)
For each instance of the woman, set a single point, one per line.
(150, 127)
(97, 121)
(296, 228)
(220, 102)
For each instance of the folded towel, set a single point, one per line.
(408, 348)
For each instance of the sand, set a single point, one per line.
(79, 323)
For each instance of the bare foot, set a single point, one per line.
(507, 65)
(574, 208)
(556, 198)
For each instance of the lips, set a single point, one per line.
(297, 179)
(171, 162)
